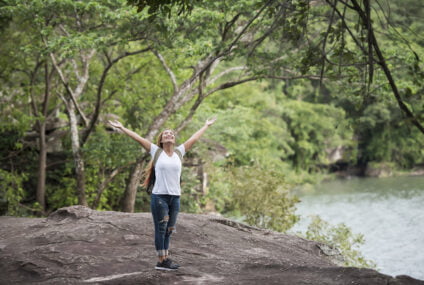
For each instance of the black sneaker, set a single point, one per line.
(172, 262)
(166, 265)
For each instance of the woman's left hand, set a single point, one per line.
(210, 121)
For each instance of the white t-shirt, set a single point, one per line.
(168, 172)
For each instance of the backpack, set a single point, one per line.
(152, 175)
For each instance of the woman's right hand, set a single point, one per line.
(116, 124)
(210, 121)
(121, 129)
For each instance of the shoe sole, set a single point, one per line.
(165, 269)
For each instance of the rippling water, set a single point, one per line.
(389, 212)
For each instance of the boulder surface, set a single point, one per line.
(77, 245)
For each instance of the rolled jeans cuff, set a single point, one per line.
(162, 252)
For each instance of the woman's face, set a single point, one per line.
(168, 136)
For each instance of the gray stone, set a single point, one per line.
(76, 245)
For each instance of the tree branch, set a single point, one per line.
(227, 27)
(248, 25)
(68, 89)
(95, 117)
(84, 78)
(227, 85)
(346, 26)
(370, 45)
(31, 88)
(225, 72)
(105, 183)
(168, 70)
(324, 55)
(386, 69)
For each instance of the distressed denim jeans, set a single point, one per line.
(165, 210)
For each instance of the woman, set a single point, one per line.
(165, 199)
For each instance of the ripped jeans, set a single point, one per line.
(165, 210)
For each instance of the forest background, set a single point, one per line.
(301, 89)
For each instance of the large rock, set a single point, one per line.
(76, 245)
(380, 170)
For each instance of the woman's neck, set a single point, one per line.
(168, 148)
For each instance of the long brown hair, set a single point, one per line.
(147, 172)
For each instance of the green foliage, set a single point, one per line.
(164, 6)
(103, 153)
(103, 23)
(260, 196)
(12, 192)
(314, 129)
(249, 135)
(378, 124)
(62, 194)
(248, 126)
(15, 119)
(191, 197)
(341, 238)
(386, 137)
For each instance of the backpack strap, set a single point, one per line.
(156, 157)
(180, 155)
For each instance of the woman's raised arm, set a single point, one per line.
(144, 143)
(189, 143)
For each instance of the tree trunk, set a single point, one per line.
(41, 125)
(41, 183)
(134, 179)
(77, 155)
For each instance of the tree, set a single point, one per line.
(262, 198)
(339, 239)
(71, 34)
(29, 68)
(224, 51)
(368, 44)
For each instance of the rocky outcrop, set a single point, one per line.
(76, 245)
(379, 170)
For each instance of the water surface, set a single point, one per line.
(389, 212)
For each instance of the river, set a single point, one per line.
(389, 212)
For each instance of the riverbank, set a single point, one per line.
(378, 170)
